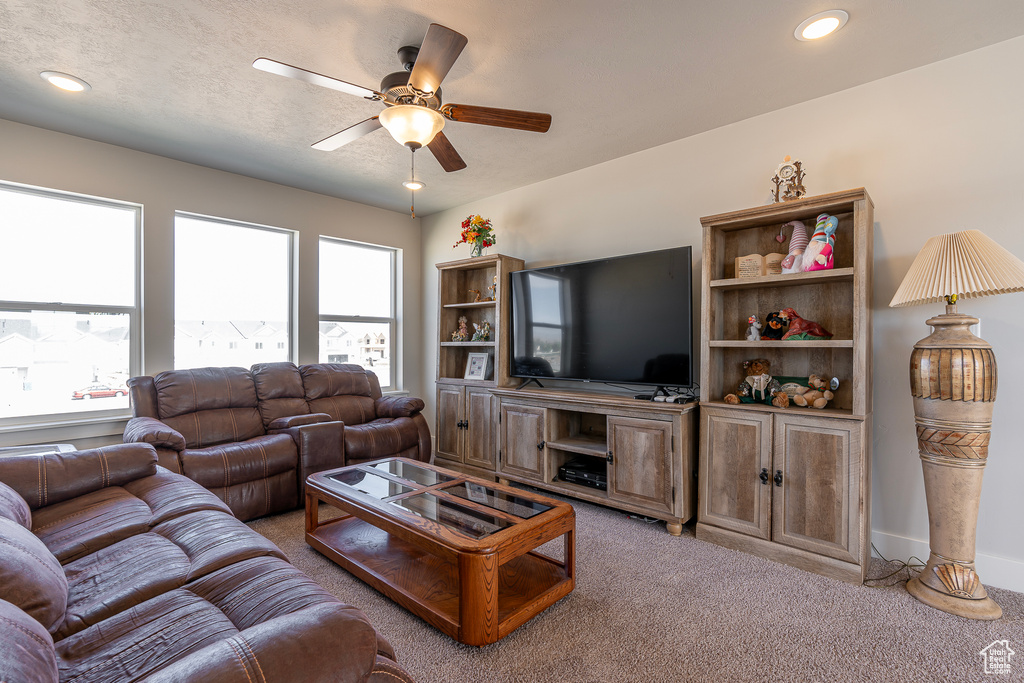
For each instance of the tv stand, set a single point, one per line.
(648, 449)
(528, 382)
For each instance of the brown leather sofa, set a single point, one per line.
(115, 569)
(253, 436)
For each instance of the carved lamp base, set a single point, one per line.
(953, 380)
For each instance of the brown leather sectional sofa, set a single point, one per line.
(252, 436)
(115, 569)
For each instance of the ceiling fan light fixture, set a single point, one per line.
(412, 125)
(65, 81)
(821, 25)
(414, 185)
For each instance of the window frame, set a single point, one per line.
(134, 312)
(293, 252)
(394, 381)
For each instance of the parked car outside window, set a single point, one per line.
(99, 391)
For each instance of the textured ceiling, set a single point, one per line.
(174, 77)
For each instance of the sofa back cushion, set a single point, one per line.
(341, 390)
(26, 649)
(31, 576)
(14, 507)
(279, 391)
(209, 406)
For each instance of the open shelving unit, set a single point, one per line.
(791, 483)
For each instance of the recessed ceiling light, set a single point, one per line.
(414, 185)
(65, 81)
(821, 24)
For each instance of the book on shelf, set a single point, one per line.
(756, 265)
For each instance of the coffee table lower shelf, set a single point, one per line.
(429, 584)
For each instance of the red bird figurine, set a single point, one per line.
(798, 325)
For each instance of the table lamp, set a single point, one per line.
(953, 381)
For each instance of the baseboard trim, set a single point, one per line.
(1001, 572)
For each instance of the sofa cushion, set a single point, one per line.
(14, 507)
(381, 438)
(31, 576)
(322, 380)
(209, 406)
(169, 495)
(279, 391)
(256, 606)
(141, 567)
(26, 649)
(235, 463)
(85, 524)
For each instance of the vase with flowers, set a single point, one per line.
(478, 233)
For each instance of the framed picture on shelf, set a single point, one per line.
(478, 366)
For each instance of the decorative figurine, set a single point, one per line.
(794, 263)
(789, 180)
(818, 255)
(775, 326)
(817, 394)
(799, 328)
(476, 295)
(759, 386)
(482, 332)
(493, 290)
(754, 331)
(461, 334)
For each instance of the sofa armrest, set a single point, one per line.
(398, 406)
(55, 477)
(329, 641)
(299, 421)
(321, 447)
(154, 432)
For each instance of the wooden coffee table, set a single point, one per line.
(455, 550)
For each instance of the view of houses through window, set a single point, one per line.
(232, 293)
(357, 306)
(68, 303)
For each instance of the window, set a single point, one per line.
(233, 283)
(357, 306)
(69, 316)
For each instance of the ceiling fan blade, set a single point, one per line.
(346, 136)
(445, 154)
(270, 66)
(504, 118)
(441, 47)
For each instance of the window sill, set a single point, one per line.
(63, 430)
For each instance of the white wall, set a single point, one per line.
(34, 156)
(939, 149)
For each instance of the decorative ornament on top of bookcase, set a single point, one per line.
(788, 180)
(478, 233)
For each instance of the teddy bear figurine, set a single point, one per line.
(815, 395)
(759, 386)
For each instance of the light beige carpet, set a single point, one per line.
(651, 607)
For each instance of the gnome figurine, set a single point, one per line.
(818, 254)
(794, 263)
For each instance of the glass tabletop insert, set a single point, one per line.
(410, 472)
(499, 500)
(370, 483)
(452, 515)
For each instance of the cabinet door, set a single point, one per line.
(817, 507)
(735, 446)
(450, 409)
(479, 444)
(522, 441)
(641, 467)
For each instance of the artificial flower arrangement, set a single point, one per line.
(478, 232)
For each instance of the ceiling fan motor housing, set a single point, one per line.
(397, 91)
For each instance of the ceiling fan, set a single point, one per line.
(414, 113)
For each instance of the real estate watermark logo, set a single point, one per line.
(997, 657)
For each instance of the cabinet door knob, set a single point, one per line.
(540, 446)
(778, 477)
(610, 458)
(764, 476)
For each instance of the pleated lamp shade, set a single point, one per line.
(967, 264)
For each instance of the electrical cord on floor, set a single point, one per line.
(908, 565)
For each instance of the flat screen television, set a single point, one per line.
(619, 320)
